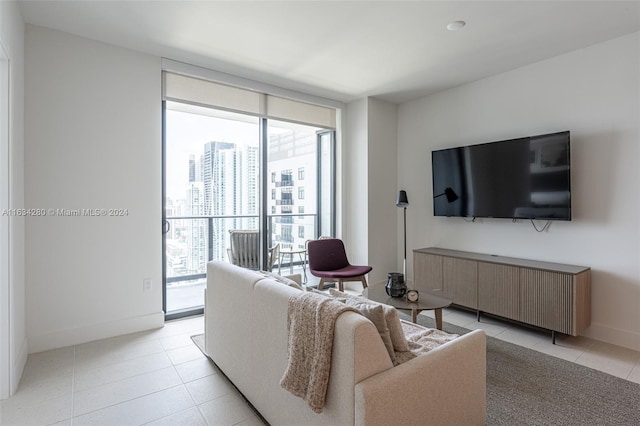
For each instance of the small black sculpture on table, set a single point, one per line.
(396, 287)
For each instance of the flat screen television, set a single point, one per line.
(525, 178)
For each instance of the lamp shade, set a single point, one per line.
(402, 201)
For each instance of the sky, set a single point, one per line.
(187, 133)
(189, 128)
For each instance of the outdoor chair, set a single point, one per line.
(245, 249)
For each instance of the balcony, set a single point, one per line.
(284, 219)
(284, 183)
(193, 240)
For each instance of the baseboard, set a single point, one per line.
(76, 336)
(615, 336)
(18, 366)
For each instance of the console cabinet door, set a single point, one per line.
(546, 299)
(499, 290)
(460, 278)
(427, 272)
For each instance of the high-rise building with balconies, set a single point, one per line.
(230, 177)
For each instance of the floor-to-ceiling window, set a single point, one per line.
(211, 187)
(294, 188)
(238, 171)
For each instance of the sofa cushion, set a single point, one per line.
(281, 279)
(398, 338)
(375, 314)
(422, 340)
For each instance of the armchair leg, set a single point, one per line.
(341, 285)
(364, 282)
(321, 283)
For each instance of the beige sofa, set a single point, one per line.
(246, 336)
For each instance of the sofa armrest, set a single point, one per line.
(446, 386)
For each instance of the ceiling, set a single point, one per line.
(345, 50)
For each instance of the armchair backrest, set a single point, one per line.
(327, 254)
(245, 249)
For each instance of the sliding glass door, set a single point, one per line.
(211, 187)
(229, 174)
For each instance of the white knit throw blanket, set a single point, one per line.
(311, 320)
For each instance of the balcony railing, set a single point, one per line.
(284, 219)
(284, 183)
(192, 241)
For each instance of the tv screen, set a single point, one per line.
(525, 178)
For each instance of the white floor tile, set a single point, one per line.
(101, 355)
(186, 354)
(227, 410)
(251, 421)
(88, 378)
(34, 392)
(43, 412)
(187, 325)
(48, 365)
(67, 422)
(189, 417)
(459, 318)
(196, 369)
(141, 410)
(103, 396)
(175, 342)
(559, 350)
(208, 388)
(527, 338)
(634, 376)
(490, 328)
(579, 343)
(611, 359)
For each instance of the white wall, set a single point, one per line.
(92, 141)
(355, 174)
(383, 190)
(370, 187)
(594, 93)
(12, 39)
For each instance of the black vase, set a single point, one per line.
(396, 287)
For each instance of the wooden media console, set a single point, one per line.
(553, 296)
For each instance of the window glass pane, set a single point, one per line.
(293, 157)
(326, 185)
(211, 171)
(212, 186)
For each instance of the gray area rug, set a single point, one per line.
(526, 387)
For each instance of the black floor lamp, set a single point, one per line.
(403, 202)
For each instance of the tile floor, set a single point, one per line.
(157, 377)
(160, 377)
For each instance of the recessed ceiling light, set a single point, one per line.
(456, 25)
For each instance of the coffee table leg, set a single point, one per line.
(438, 319)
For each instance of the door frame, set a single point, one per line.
(6, 349)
